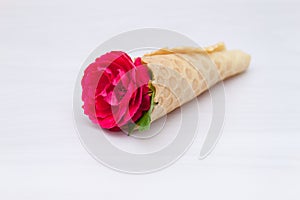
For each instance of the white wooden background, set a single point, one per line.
(42, 47)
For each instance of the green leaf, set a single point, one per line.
(144, 122)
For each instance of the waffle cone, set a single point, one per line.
(181, 74)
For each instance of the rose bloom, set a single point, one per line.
(115, 90)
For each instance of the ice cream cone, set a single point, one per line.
(181, 74)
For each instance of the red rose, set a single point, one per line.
(115, 90)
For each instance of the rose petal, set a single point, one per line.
(102, 108)
(107, 122)
(111, 90)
